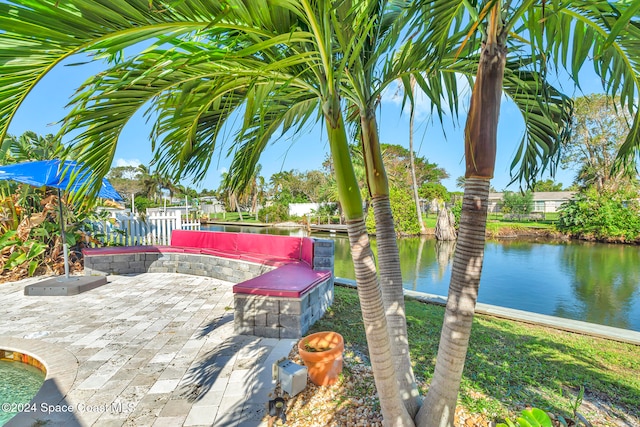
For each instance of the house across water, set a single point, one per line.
(543, 201)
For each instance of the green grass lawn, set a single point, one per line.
(495, 223)
(235, 217)
(510, 365)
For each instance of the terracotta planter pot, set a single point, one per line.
(322, 355)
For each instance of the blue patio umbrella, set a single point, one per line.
(57, 174)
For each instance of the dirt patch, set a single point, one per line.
(75, 266)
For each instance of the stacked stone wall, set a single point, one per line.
(231, 270)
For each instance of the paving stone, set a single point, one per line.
(164, 386)
(201, 415)
(176, 408)
(169, 422)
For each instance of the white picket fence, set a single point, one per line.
(155, 229)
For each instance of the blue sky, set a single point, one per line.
(45, 106)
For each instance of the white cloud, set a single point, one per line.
(127, 162)
(394, 94)
(223, 170)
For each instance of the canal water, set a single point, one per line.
(593, 282)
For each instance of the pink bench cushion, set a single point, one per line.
(290, 281)
(205, 239)
(262, 246)
(267, 259)
(219, 253)
(268, 244)
(306, 251)
(259, 248)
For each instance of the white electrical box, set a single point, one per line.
(292, 377)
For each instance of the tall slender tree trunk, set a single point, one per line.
(389, 264)
(412, 162)
(233, 201)
(373, 316)
(481, 130)
(440, 404)
(373, 311)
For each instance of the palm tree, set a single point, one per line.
(551, 28)
(138, 20)
(30, 146)
(281, 67)
(255, 189)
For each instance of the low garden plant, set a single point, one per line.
(30, 241)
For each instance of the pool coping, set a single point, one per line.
(61, 366)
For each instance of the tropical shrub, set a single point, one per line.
(538, 418)
(30, 239)
(434, 190)
(17, 253)
(456, 209)
(275, 213)
(142, 203)
(606, 215)
(326, 209)
(403, 208)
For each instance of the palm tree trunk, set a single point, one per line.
(373, 316)
(481, 130)
(373, 311)
(440, 404)
(412, 163)
(389, 263)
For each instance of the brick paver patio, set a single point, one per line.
(152, 350)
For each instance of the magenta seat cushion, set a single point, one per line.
(187, 250)
(268, 244)
(306, 252)
(266, 259)
(291, 281)
(225, 241)
(193, 239)
(256, 247)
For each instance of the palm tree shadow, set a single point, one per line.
(234, 378)
(215, 324)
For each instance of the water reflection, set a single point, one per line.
(604, 279)
(592, 282)
(444, 255)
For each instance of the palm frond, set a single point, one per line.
(35, 36)
(577, 33)
(547, 116)
(282, 110)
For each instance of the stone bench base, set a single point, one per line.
(230, 270)
(279, 317)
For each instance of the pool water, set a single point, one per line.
(19, 382)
